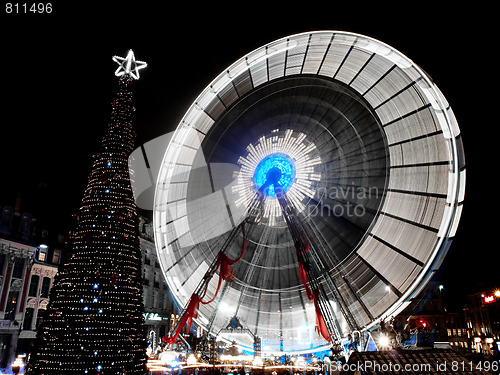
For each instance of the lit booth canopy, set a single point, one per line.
(370, 156)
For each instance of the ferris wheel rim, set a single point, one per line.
(455, 189)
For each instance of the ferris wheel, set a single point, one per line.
(311, 190)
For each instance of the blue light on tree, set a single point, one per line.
(280, 161)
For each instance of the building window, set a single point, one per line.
(17, 272)
(45, 287)
(156, 282)
(42, 253)
(10, 310)
(28, 318)
(35, 280)
(6, 216)
(2, 262)
(39, 318)
(56, 258)
(25, 223)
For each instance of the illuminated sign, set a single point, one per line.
(489, 299)
(151, 316)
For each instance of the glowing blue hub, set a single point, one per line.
(280, 161)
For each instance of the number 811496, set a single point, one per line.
(470, 366)
(25, 8)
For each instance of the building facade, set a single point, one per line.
(40, 282)
(157, 304)
(16, 261)
(28, 264)
(482, 317)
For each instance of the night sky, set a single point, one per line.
(57, 84)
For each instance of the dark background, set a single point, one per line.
(57, 82)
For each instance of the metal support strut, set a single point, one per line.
(250, 216)
(325, 318)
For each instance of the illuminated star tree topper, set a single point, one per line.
(128, 65)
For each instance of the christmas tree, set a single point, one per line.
(94, 323)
